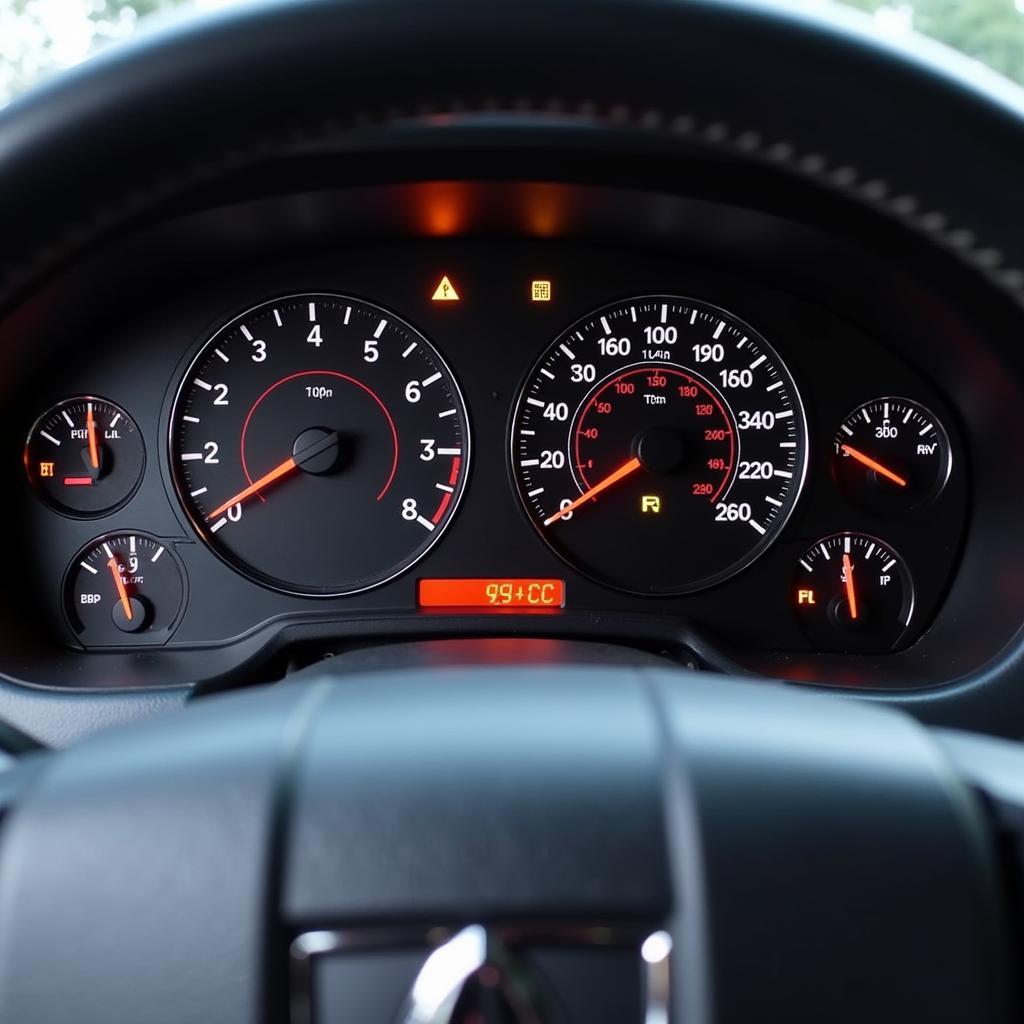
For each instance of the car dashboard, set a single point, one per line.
(733, 427)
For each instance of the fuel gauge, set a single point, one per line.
(85, 457)
(853, 593)
(124, 589)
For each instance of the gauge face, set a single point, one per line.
(319, 444)
(85, 457)
(891, 455)
(124, 589)
(659, 445)
(853, 593)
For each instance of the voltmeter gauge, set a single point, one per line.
(124, 589)
(85, 457)
(853, 593)
(891, 455)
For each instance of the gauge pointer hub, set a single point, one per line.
(316, 447)
(661, 450)
(317, 450)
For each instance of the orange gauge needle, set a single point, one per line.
(851, 592)
(122, 592)
(876, 466)
(613, 478)
(256, 486)
(94, 448)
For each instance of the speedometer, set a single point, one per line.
(659, 445)
(319, 444)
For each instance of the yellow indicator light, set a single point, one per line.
(650, 503)
(805, 597)
(540, 291)
(46, 469)
(445, 291)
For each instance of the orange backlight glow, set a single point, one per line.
(492, 593)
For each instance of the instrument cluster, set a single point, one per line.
(504, 437)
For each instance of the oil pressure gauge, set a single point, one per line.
(124, 589)
(85, 457)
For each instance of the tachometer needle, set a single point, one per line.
(876, 466)
(613, 478)
(94, 448)
(851, 591)
(256, 486)
(122, 592)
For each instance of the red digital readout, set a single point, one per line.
(491, 593)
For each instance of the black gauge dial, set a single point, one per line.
(853, 593)
(891, 455)
(659, 445)
(85, 457)
(124, 589)
(319, 444)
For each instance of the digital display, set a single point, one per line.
(491, 593)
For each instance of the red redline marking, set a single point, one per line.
(78, 481)
(442, 508)
(456, 463)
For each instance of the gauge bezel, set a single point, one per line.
(145, 638)
(247, 572)
(63, 510)
(763, 544)
(926, 499)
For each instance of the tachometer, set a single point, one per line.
(319, 444)
(659, 445)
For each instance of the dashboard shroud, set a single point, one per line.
(814, 297)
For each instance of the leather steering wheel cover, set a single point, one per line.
(118, 135)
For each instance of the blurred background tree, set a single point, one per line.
(41, 36)
(991, 31)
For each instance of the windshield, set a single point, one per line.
(41, 37)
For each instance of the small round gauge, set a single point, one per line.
(853, 593)
(124, 589)
(319, 444)
(85, 457)
(891, 455)
(659, 445)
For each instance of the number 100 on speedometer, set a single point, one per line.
(659, 445)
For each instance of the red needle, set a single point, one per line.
(630, 467)
(254, 488)
(122, 592)
(851, 593)
(94, 448)
(871, 464)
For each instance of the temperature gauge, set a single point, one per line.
(124, 589)
(85, 457)
(854, 594)
(891, 455)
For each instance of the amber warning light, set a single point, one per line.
(497, 593)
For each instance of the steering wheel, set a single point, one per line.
(543, 840)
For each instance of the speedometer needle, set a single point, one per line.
(613, 478)
(871, 464)
(851, 592)
(122, 592)
(256, 486)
